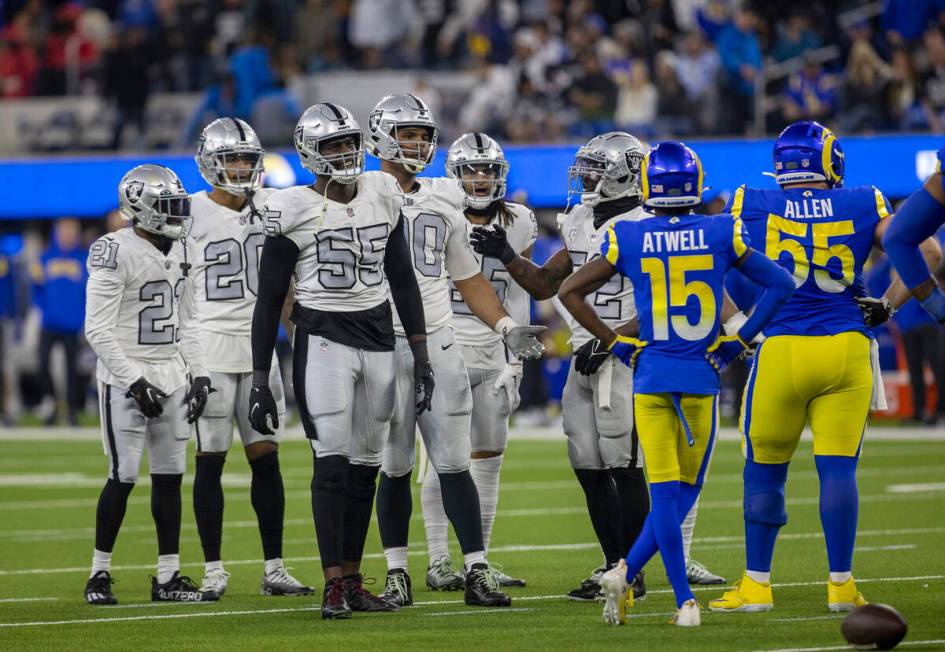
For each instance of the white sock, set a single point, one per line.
(474, 558)
(272, 565)
(101, 561)
(688, 527)
(434, 516)
(166, 567)
(840, 578)
(212, 565)
(396, 558)
(485, 473)
(758, 576)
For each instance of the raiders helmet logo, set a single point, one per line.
(133, 190)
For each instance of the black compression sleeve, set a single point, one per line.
(275, 272)
(403, 282)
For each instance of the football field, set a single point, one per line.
(49, 487)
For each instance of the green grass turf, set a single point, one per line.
(48, 491)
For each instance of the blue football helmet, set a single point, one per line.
(808, 151)
(671, 176)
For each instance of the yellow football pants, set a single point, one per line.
(666, 450)
(826, 378)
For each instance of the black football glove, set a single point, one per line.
(196, 398)
(262, 410)
(492, 243)
(148, 397)
(590, 357)
(875, 311)
(423, 382)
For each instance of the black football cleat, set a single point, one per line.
(360, 599)
(98, 590)
(482, 588)
(639, 587)
(180, 588)
(397, 588)
(590, 590)
(334, 604)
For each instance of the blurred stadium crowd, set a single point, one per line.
(542, 69)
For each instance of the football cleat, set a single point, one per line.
(180, 588)
(334, 603)
(844, 596)
(397, 588)
(279, 582)
(503, 579)
(699, 574)
(688, 615)
(215, 580)
(98, 590)
(639, 587)
(482, 588)
(589, 591)
(617, 595)
(441, 576)
(360, 599)
(747, 595)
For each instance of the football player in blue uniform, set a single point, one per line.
(916, 220)
(676, 262)
(816, 361)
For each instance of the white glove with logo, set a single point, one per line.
(509, 380)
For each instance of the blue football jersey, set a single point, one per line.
(677, 266)
(823, 238)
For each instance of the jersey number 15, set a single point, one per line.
(671, 290)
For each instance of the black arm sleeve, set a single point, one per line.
(276, 265)
(403, 282)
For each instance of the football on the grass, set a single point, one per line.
(874, 626)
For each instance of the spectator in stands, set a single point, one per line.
(594, 95)
(319, 35)
(864, 89)
(697, 67)
(636, 99)
(127, 80)
(740, 53)
(65, 46)
(229, 29)
(932, 86)
(674, 111)
(535, 116)
(904, 21)
(713, 17)
(18, 65)
(811, 94)
(659, 23)
(795, 37)
(902, 95)
(59, 280)
(184, 55)
(252, 70)
(218, 101)
(379, 28)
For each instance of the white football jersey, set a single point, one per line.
(470, 330)
(135, 299)
(613, 302)
(341, 260)
(223, 249)
(439, 246)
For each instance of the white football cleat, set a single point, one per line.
(617, 598)
(688, 615)
(215, 580)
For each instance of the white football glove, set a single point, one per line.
(509, 380)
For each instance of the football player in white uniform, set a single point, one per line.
(596, 405)
(403, 134)
(344, 239)
(139, 323)
(224, 245)
(478, 164)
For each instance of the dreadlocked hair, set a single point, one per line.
(501, 210)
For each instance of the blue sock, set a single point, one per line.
(764, 512)
(645, 546)
(665, 519)
(839, 506)
(917, 219)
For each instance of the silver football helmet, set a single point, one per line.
(324, 124)
(396, 112)
(478, 163)
(230, 156)
(606, 168)
(153, 198)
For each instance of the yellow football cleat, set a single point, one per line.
(843, 596)
(747, 595)
(618, 596)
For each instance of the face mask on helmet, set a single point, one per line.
(237, 170)
(415, 145)
(483, 182)
(341, 157)
(586, 178)
(175, 214)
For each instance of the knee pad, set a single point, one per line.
(362, 481)
(266, 465)
(330, 473)
(764, 493)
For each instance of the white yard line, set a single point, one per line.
(936, 641)
(913, 488)
(8, 600)
(477, 612)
